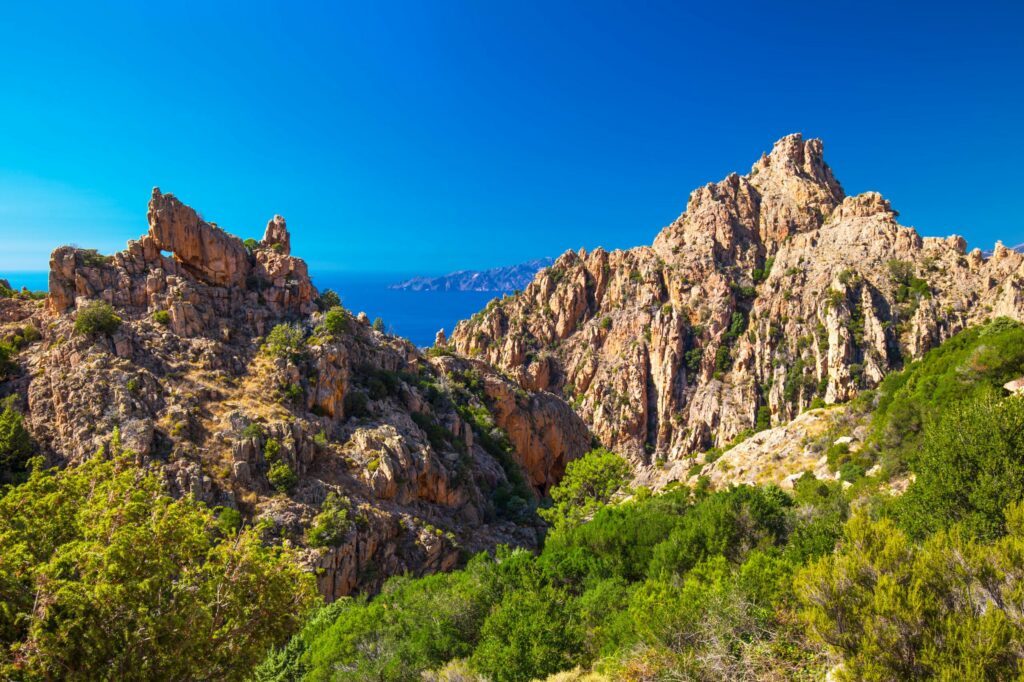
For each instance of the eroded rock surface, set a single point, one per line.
(433, 457)
(770, 292)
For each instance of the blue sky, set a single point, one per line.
(430, 136)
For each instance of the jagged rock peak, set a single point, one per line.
(276, 236)
(206, 250)
(792, 155)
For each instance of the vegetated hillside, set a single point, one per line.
(774, 291)
(216, 361)
(747, 582)
(501, 279)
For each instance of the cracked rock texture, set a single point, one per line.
(771, 292)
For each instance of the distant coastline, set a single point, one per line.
(497, 280)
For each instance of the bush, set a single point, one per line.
(15, 443)
(136, 584)
(162, 317)
(284, 341)
(589, 484)
(378, 325)
(335, 321)
(282, 477)
(329, 299)
(97, 317)
(251, 244)
(332, 523)
(947, 609)
(970, 468)
(7, 365)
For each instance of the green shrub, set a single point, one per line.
(332, 523)
(285, 341)
(970, 468)
(229, 520)
(15, 443)
(251, 244)
(329, 299)
(137, 584)
(282, 477)
(378, 325)
(7, 364)
(97, 317)
(162, 317)
(254, 430)
(335, 321)
(947, 609)
(589, 484)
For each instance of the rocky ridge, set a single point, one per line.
(772, 292)
(429, 456)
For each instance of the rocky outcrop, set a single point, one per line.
(209, 283)
(433, 456)
(773, 291)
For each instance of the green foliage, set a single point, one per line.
(282, 477)
(329, 299)
(104, 576)
(378, 325)
(229, 520)
(7, 364)
(285, 341)
(15, 443)
(764, 418)
(961, 368)
(761, 274)
(970, 468)
(251, 244)
(162, 317)
(946, 609)
(254, 430)
(606, 323)
(332, 523)
(693, 359)
(97, 317)
(335, 321)
(600, 592)
(908, 286)
(280, 474)
(589, 484)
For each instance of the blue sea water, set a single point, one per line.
(416, 315)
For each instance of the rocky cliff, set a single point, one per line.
(773, 291)
(222, 369)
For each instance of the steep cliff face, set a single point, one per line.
(430, 455)
(772, 291)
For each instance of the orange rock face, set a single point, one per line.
(773, 290)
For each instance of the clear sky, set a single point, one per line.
(434, 135)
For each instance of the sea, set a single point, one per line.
(416, 315)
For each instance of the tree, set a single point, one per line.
(335, 321)
(102, 574)
(284, 341)
(378, 325)
(15, 443)
(894, 610)
(329, 299)
(97, 317)
(589, 484)
(970, 468)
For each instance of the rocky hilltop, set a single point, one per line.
(772, 292)
(503, 279)
(219, 363)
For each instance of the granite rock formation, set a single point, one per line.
(433, 456)
(773, 291)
